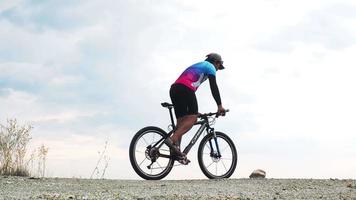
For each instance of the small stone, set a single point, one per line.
(258, 173)
(349, 185)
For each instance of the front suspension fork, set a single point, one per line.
(212, 131)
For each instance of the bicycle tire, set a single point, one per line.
(132, 155)
(202, 165)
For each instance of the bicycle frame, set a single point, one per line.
(204, 125)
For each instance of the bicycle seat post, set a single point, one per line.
(170, 107)
(171, 115)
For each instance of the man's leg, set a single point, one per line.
(184, 124)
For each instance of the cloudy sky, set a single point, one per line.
(86, 72)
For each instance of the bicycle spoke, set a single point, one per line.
(159, 165)
(229, 153)
(223, 164)
(153, 140)
(208, 147)
(210, 164)
(145, 140)
(142, 162)
(141, 152)
(225, 158)
(224, 149)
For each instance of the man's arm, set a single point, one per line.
(216, 94)
(214, 89)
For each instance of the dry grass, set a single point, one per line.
(14, 139)
(13, 145)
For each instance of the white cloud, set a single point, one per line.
(327, 26)
(63, 116)
(26, 72)
(4, 5)
(15, 103)
(46, 48)
(66, 80)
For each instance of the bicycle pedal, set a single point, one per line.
(184, 161)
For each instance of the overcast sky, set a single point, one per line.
(86, 72)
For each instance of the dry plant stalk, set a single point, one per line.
(31, 162)
(106, 164)
(42, 154)
(13, 145)
(37, 161)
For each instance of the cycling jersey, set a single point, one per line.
(196, 74)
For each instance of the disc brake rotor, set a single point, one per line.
(215, 157)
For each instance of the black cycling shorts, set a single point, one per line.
(184, 100)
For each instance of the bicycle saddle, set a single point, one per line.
(165, 104)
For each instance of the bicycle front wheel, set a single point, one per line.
(217, 158)
(148, 161)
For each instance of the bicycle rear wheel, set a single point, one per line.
(148, 161)
(212, 164)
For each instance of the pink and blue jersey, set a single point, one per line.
(196, 74)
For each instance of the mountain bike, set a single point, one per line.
(152, 159)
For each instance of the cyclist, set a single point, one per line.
(182, 93)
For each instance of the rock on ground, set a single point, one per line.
(258, 173)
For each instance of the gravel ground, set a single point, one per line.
(59, 188)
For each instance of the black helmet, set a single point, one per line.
(214, 57)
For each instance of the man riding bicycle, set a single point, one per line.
(182, 93)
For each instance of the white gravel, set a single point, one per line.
(59, 188)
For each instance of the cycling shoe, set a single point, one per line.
(174, 148)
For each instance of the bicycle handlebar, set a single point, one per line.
(210, 114)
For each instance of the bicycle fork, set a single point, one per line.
(212, 152)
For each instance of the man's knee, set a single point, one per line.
(195, 118)
(192, 118)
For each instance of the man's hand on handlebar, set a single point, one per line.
(216, 114)
(221, 111)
